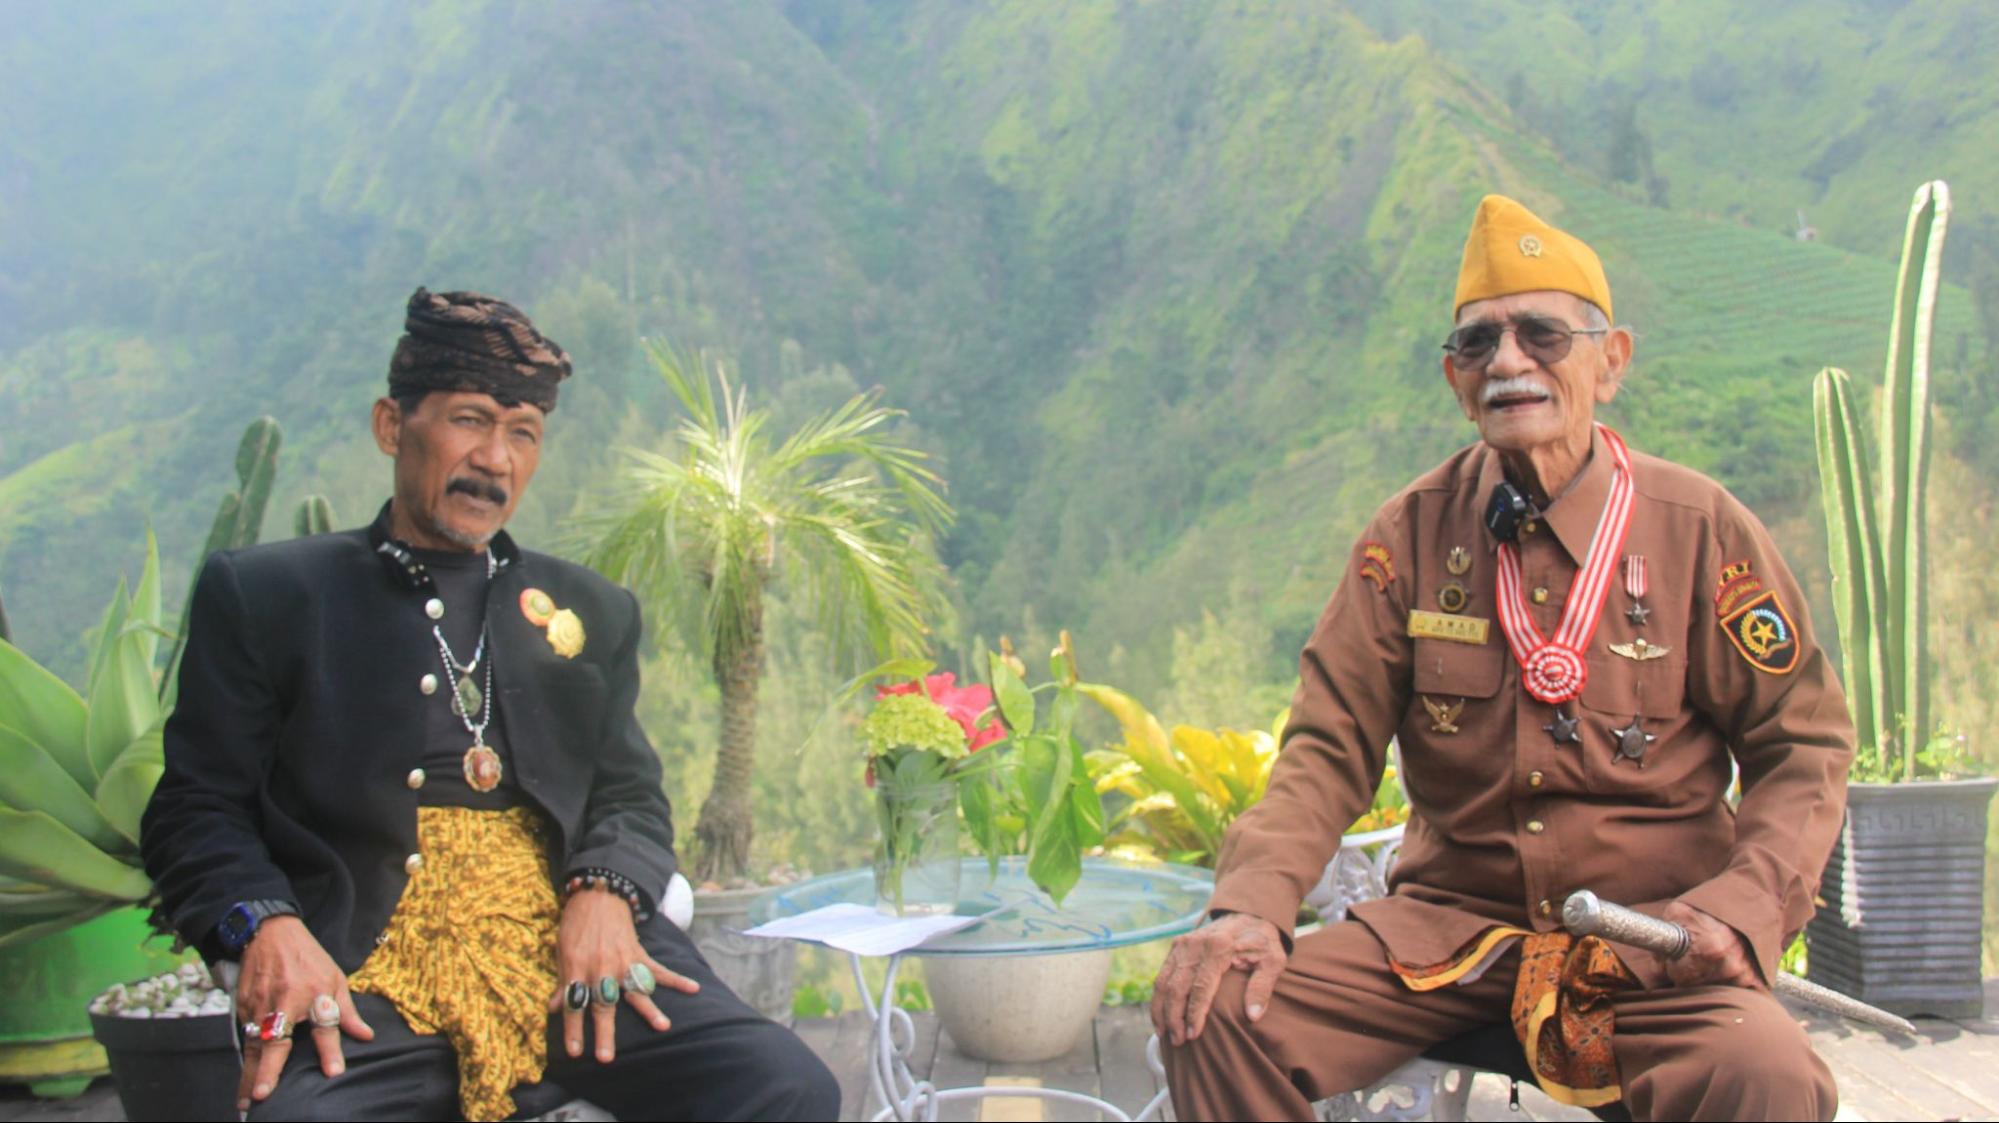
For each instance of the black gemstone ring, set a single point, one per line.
(578, 995)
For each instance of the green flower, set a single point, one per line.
(911, 721)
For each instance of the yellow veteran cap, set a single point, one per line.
(1511, 250)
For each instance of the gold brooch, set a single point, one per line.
(1443, 718)
(565, 633)
(1530, 246)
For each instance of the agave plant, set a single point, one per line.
(1880, 554)
(76, 771)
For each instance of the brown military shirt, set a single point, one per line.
(1505, 821)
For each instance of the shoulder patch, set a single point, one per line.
(1732, 572)
(1762, 631)
(1377, 565)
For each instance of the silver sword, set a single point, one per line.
(1585, 914)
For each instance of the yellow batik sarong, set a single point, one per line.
(470, 951)
(1561, 1005)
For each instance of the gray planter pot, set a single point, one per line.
(1904, 898)
(761, 972)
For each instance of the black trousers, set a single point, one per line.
(719, 1060)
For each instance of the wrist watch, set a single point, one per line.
(239, 925)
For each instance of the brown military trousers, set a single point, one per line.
(1341, 1019)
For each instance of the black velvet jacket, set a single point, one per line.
(289, 750)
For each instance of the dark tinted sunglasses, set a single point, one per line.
(1544, 340)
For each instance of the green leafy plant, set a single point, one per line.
(834, 506)
(76, 771)
(1038, 800)
(922, 739)
(1879, 553)
(1182, 788)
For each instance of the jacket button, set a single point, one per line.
(381, 938)
(1536, 826)
(414, 780)
(1541, 595)
(434, 608)
(1529, 527)
(427, 684)
(412, 863)
(1534, 778)
(1545, 908)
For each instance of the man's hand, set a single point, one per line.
(1194, 968)
(1718, 955)
(597, 939)
(284, 969)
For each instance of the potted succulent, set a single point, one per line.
(1903, 896)
(76, 771)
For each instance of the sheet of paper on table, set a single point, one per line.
(860, 929)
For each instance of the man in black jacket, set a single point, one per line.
(405, 788)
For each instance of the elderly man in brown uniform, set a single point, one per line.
(1568, 640)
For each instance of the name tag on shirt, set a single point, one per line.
(1443, 626)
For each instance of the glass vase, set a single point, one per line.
(916, 855)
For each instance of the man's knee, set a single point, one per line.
(793, 1082)
(1751, 1060)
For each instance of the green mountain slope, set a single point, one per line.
(1161, 284)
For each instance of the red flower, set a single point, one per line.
(964, 703)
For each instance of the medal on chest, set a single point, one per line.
(1553, 668)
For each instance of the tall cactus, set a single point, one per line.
(315, 516)
(238, 521)
(1880, 570)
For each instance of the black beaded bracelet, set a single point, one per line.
(613, 882)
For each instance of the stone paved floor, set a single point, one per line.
(1952, 1072)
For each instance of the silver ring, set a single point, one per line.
(325, 1012)
(639, 980)
(250, 1030)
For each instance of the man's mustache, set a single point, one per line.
(477, 489)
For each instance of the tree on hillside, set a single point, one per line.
(833, 508)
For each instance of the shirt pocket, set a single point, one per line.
(1459, 670)
(1652, 694)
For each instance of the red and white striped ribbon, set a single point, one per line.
(1634, 575)
(1554, 670)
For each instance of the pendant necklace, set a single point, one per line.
(1554, 669)
(481, 763)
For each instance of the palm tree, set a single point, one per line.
(833, 508)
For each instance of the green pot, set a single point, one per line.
(45, 1039)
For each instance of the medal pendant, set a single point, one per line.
(469, 697)
(482, 767)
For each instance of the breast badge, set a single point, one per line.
(1443, 718)
(562, 628)
(1639, 650)
(1762, 631)
(1452, 597)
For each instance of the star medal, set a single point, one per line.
(482, 767)
(1562, 729)
(1631, 742)
(1552, 669)
(1635, 584)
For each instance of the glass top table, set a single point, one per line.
(1116, 903)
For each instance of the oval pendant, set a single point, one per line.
(469, 697)
(482, 768)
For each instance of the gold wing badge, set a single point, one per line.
(1640, 650)
(1443, 718)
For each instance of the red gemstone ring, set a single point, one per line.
(274, 1026)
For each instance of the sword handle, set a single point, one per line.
(1585, 914)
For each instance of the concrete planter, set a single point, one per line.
(1904, 898)
(761, 972)
(1021, 1009)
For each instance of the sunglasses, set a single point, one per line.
(1542, 339)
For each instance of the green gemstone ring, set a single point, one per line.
(608, 991)
(639, 980)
